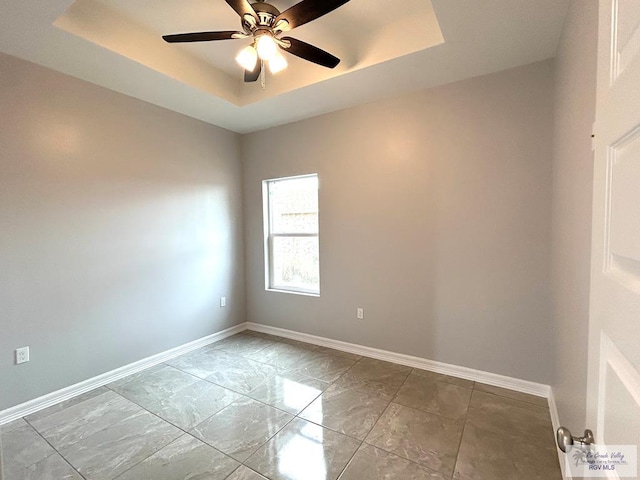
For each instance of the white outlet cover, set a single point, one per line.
(22, 355)
(223, 301)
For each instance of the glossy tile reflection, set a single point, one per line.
(304, 451)
(258, 407)
(346, 411)
(239, 429)
(289, 392)
(427, 439)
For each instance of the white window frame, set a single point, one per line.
(269, 236)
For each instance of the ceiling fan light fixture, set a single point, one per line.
(264, 23)
(248, 58)
(266, 46)
(277, 63)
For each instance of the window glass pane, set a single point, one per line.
(296, 263)
(294, 205)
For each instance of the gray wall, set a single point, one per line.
(435, 217)
(121, 224)
(120, 228)
(572, 190)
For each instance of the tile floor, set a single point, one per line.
(254, 406)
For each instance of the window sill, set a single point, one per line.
(293, 292)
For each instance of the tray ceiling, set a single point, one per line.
(387, 47)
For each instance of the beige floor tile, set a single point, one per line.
(53, 467)
(242, 427)
(346, 411)
(446, 399)
(443, 378)
(323, 366)
(111, 451)
(512, 418)
(371, 463)
(22, 447)
(503, 392)
(424, 438)
(304, 450)
(290, 392)
(339, 353)
(242, 344)
(487, 456)
(374, 377)
(187, 457)
(416, 424)
(245, 473)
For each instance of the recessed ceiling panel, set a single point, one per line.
(387, 48)
(361, 33)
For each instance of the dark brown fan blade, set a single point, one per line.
(252, 76)
(308, 10)
(310, 53)
(242, 7)
(199, 36)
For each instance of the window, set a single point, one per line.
(291, 234)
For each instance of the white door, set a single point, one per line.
(613, 406)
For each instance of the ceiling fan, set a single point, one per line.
(264, 23)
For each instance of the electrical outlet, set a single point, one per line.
(360, 313)
(223, 301)
(22, 355)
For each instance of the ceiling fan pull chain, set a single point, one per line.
(263, 76)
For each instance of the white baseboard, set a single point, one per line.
(61, 395)
(524, 386)
(66, 393)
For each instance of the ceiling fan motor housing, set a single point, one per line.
(266, 14)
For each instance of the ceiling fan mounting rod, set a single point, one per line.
(266, 15)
